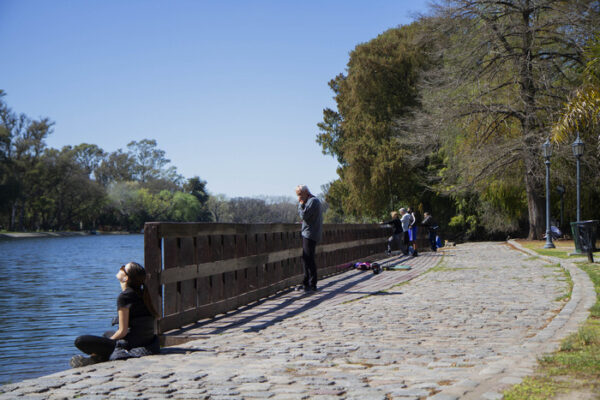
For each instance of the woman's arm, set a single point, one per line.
(123, 324)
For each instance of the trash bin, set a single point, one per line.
(584, 236)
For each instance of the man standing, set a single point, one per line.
(432, 228)
(309, 209)
(405, 220)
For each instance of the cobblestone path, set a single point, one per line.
(466, 328)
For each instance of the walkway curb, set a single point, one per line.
(566, 322)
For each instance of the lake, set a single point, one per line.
(53, 290)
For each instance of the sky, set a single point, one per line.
(232, 91)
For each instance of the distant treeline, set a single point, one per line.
(84, 187)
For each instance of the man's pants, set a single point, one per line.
(310, 267)
(432, 243)
(405, 242)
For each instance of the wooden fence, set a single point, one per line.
(199, 270)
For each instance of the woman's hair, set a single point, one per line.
(394, 214)
(136, 275)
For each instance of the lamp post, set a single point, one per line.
(578, 147)
(547, 152)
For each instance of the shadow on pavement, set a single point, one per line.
(280, 306)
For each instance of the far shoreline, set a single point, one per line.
(27, 235)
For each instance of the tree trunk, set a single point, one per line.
(528, 91)
(535, 205)
(13, 215)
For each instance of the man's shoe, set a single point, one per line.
(299, 288)
(81, 361)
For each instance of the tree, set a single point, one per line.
(581, 114)
(505, 69)
(218, 206)
(89, 156)
(65, 197)
(117, 167)
(380, 87)
(245, 210)
(150, 161)
(197, 188)
(22, 142)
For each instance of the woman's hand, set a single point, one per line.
(123, 324)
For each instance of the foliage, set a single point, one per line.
(581, 114)
(83, 187)
(379, 88)
(251, 210)
(500, 91)
(447, 115)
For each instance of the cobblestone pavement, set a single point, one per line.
(467, 328)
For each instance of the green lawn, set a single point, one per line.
(575, 367)
(564, 248)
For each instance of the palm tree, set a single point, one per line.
(582, 113)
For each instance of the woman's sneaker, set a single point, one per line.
(81, 361)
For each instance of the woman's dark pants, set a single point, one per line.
(310, 267)
(101, 346)
(432, 242)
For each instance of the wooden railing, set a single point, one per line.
(199, 270)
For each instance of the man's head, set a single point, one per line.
(402, 210)
(302, 192)
(426, 214)
(394, 214)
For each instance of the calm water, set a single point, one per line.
(53, 290)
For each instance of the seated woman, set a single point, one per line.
(136, 315)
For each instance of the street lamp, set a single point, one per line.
(578, 147)
(547, 153)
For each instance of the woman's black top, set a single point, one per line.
(141, 321)
(430, 223)
(397, 224)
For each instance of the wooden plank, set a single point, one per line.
(202, 284)
(186, 229)
(176, 321)
(257, 274)
(251, 245)
(186, 256)
(172, 300)
(229, 278)
(153, 264)
(241, 275)
(221, 266)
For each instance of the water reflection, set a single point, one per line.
(53, 290)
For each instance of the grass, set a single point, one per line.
(575, 367)
(563, 248)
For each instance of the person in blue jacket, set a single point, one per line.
(309, 210)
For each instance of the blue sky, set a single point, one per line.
(231, 90)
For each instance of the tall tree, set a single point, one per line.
(116, 167)
(582, 113)
(22, 142)
(507, 65)
(218, 206)
(89, 156)
(197, 188)
(379, 88)
(150, 161)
